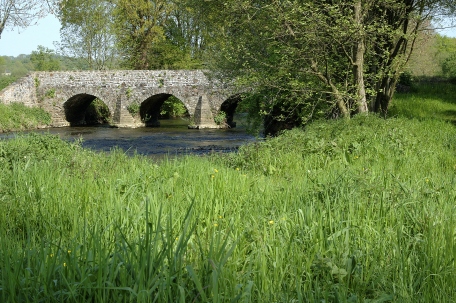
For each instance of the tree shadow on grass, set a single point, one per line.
(450, 115)
(444, 91)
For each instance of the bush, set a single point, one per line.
(134, 108)
(220, 118)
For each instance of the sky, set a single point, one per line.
(24, 41)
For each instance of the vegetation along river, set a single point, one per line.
(172, 137)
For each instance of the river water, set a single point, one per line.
(172, 137)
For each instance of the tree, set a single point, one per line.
(159, 34)
(44, 59)
(21, 13)
(139, 27)
(87, 32)
(306, 57)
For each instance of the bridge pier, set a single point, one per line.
(203, 117)
(122, 117)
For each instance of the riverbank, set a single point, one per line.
(18, 117)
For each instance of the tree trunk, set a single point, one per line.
(358, 62)
(384, 95)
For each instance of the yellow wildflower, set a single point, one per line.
(271, 222)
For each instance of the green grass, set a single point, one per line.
(435, 100)
(17, 116)
(345, 211)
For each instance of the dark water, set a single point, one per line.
(172, 137)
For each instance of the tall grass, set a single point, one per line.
(427, 100)
(345, 211)
(17, 116)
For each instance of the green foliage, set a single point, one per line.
(97, 113)
(17, 66)
(449, 66)
(158, 34)
(304, 58)
(87, 32)
(406, 78)
(134, 108)
(17, 116)
(50, 93)
(173, 107)
(220, 118)
(44, 59)
(6, 80)
(446, 53)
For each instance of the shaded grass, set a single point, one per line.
(17, 116)
(346, 211)
(427, 100)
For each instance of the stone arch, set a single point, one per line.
(77, 112)
(150, 108)
(229, 107)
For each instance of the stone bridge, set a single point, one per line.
(67, 95)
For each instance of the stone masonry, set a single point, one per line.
(66, 95)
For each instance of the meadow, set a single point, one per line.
(360, 210)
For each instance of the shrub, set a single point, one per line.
(220, 118)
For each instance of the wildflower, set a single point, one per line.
(220, 217)
(215, 224)
(51, 255)
(356, 157)
(69, 251)
(215, 170)
(427, 180)
(237, 168)
(271, 222)
(212, 176)
(64, 264)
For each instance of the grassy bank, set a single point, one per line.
(17, 116)
(347, 211)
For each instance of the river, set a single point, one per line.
(172, 137)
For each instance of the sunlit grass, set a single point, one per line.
(345, 211)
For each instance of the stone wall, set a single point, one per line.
(22, 91)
